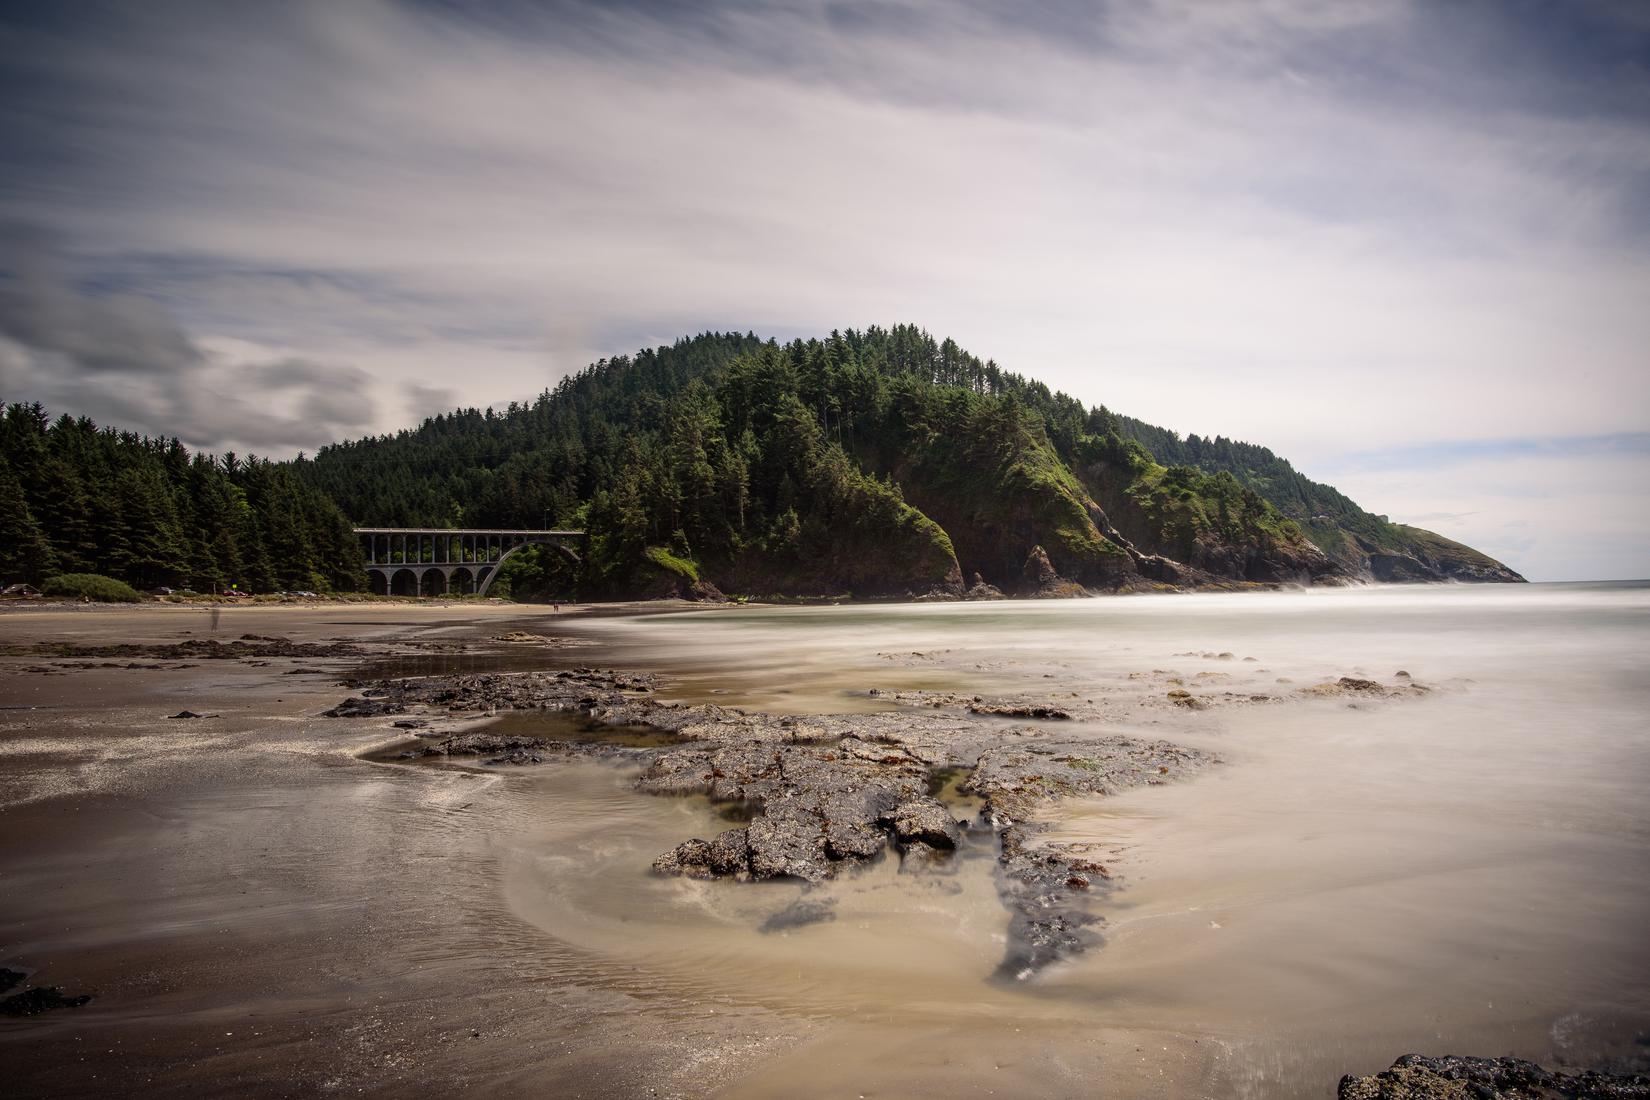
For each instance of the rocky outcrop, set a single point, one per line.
(1038, 578)
(827, 793)
(1048, 887)
(1416, 1077)
(1396, 553)
(820, 806)
(980, 590)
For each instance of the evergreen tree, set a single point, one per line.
(25, 555)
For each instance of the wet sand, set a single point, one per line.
(258, 910)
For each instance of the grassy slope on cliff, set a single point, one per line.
(983, 467)
(1209, 521)
(1339, 526)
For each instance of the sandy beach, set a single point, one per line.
(261, 901)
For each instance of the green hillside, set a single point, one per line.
(874, 462)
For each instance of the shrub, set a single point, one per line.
(670, 563)
(90, 586)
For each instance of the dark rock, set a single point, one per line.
(1038, 577)
(923, 859)
(250, 647)
(363, 707)
(730, 853)
(32, 1002)
(9, 978)
(852, 826)
(980, 590)
(925, 821)
(1451, 1077)
(190, 714)
(685, 772)
(411, 724)
(1350, 683)
(690, 858)
(1038, 571)
(788, 841)
(507, 749)
(1018, 710)
(704, 592)
(517, 757)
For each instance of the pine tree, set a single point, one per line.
(25, 555)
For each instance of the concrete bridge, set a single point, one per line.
(416, 561)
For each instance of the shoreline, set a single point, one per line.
(267, 722)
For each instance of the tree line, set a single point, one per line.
(77, 498)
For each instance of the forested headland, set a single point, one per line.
(872, 462)
(875, 462)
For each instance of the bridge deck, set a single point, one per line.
(462, 531)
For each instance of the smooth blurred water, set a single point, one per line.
(1467, 871)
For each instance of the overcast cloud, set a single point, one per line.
(1352, 230)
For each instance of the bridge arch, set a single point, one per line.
(402, 558)
(561, 548)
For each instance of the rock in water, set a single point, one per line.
(925, 821)
(361, 707)
(788, 841)
(1451, 1077)
(691, 858)
(730, 854)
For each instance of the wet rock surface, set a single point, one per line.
(569, 689)
(829, 793)
(33, 1002)
(248, 646)
(1048, 888)
(825, 794)
(1451, 1077)
(363, 707)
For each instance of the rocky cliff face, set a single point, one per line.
(1417, 555)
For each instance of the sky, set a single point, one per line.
(1404, 244)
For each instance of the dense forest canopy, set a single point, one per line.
(76, 498)
(723, 448)
(538, 462)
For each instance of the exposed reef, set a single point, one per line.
(826, 793)
(820, 795)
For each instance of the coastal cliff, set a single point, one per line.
(875, 463)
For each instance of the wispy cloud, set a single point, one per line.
(1332, 227)
(124, 359)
